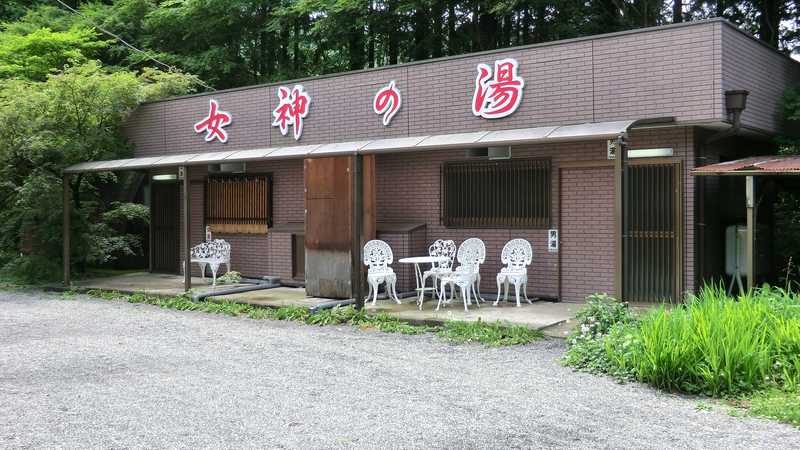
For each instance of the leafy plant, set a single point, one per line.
(232, 277)
(713, 344)
(602, 333)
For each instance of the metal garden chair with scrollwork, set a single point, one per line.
(517, 255)
(471, 254)
(444, 248)
(378, 255)
(213, 254)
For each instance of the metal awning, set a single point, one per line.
(755, 165)
(586, 131)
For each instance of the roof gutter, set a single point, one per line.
(735, 103)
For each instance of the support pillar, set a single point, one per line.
(620, 214)
(187, 267)
(750, 195)
(356, 273)
(66, 188)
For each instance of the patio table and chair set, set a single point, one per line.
(517, 255)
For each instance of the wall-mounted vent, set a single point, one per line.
(233, 167)
(499, 152)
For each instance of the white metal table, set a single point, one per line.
(418, 261)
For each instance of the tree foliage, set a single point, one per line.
(230, 43)
(58, 107)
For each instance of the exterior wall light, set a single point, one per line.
(165, 177)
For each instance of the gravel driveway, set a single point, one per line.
(90, 373)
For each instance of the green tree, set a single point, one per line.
(71, 117)
(36, 54)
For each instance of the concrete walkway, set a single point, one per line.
(539, 315)
(553, 318)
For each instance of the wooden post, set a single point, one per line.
(357, 279)
(750, 195)
(65, 186)
(187, 268)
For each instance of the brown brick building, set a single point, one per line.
(661, 90)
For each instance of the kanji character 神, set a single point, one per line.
(291, 110)
(499, 95)
(214, 123)
(387, 102)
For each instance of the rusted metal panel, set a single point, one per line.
(776, 165)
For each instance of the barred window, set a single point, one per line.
(239, 204)
(513, 193)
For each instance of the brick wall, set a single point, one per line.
(408, 190)
(677, 71)
(587, 232)
(256, 255)
(767, 74)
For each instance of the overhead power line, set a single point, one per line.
(127, 44)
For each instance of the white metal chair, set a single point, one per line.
(211, 253)
(447, 249)
(517, 255)
(471, 254)
(378, 255)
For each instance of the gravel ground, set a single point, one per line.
(90, 373)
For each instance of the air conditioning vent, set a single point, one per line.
(233, 167)
(499, 152)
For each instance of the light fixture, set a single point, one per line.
(650, 153)
(165, 177)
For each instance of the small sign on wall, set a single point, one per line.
(552, 240)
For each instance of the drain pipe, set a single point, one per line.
(237, 290)
(330, 305)
(735, 103)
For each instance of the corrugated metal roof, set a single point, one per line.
(586, 131)
(755, 165)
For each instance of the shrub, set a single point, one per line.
(713, 344)
(232, 277)
(602, 333)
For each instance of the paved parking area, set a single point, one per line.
(88, 373)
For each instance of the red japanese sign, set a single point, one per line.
(214, 123)
(291, 110)
(498, 93)
(387, 101)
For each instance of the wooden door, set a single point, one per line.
(164, 212)
(328, 222)
(328, 226)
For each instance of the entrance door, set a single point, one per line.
(164, 211)
(653, 256)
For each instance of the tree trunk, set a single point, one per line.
(437, 31)
(452, 49)
(677, 11)
(769, 21)
(421, 32)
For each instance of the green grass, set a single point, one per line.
(713, 344)
(775, 404)
(493, 335)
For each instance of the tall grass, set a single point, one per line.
(718, 345)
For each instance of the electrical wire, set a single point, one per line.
(130, 46)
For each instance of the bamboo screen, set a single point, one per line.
(238, 204)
